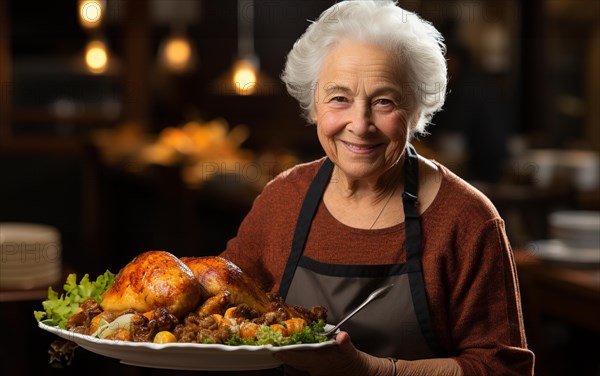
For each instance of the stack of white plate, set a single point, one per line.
(30, 256)
(576, 229)
(575, 238)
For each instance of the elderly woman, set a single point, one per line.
(370, 76)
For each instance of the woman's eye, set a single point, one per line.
(339, 99)
(383, 102)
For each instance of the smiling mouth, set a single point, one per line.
(360, 148)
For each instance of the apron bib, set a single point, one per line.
(397, 325)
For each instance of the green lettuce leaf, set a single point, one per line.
(58, 308)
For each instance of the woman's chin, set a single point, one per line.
(360, 170)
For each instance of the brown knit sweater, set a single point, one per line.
(468, 266)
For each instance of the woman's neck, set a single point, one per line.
(373, 189)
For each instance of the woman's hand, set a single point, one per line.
(343, 359)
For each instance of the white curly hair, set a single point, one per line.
(417, 43)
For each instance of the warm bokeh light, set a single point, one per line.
(178, 53)
(96, 57)
(91, 13)
(244, 77)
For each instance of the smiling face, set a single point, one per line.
(363, 110)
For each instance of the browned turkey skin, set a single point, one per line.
(151, 280)
(217, 275)
(187, 296)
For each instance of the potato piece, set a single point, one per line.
(280, 328)
(248, 330)
(294, 325)
(164, 337)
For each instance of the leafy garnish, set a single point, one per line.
(265, 335)
(58, 309)
(310, 334)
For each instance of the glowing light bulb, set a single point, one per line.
(91, 13)
(96, 57)
(244, 78)
(178, 53)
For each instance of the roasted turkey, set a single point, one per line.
(225, 284)
(194, 299)
(151, 280)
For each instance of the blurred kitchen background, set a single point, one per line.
(131, 125)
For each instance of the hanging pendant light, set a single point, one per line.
(245, 77)
(91, 13)
(247, 64)
(96, 56)
(177, 53)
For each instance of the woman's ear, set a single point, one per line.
(312, 118)
(414, 121)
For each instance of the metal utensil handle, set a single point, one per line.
(374, 295)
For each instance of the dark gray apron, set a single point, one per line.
(397, 325)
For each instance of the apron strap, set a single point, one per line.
(307, 212)
(414, 249)
(411, 214)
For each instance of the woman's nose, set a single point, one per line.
(361, 122)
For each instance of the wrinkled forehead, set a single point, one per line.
(350, 64)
